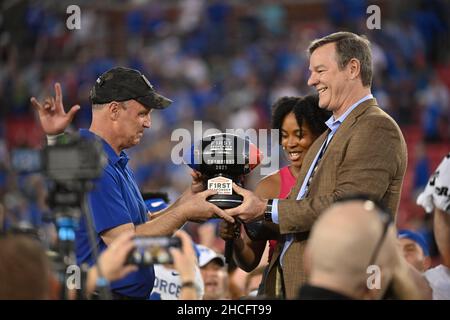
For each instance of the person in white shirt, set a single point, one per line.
(436, 198)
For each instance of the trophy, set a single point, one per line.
(222, 159)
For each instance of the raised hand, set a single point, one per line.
(184, 258)
(185, 262)
(54, 120)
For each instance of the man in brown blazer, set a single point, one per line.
(362, 152)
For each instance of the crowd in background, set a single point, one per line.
(221, 62)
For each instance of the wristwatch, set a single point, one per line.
(268, 211)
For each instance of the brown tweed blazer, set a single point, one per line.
(366, 155)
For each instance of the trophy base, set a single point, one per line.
(226, 201)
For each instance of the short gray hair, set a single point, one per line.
(348, 46)
(122, 104)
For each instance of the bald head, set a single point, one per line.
(342, 243)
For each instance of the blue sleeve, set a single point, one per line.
(108, 207)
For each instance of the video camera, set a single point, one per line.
(70, 165)
(71, 158)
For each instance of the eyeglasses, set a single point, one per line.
(386, 219)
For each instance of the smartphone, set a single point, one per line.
(153, 250)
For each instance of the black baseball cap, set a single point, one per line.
(122, 84)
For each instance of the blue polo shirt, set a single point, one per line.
(115, 201)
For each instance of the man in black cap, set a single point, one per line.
(122, 101)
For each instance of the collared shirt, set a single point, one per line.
(333, 125)
(115, 200)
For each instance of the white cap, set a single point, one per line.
(206, 255)
(437, 193)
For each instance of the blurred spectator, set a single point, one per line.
(24, 269)
(190, 14)
(435, 199)
(362, 236)
(215, 277)
(273, 17)
(421, 169)
(415, 249)
(168, 283)
(155, 200)
(207, 235)
(435, 102)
